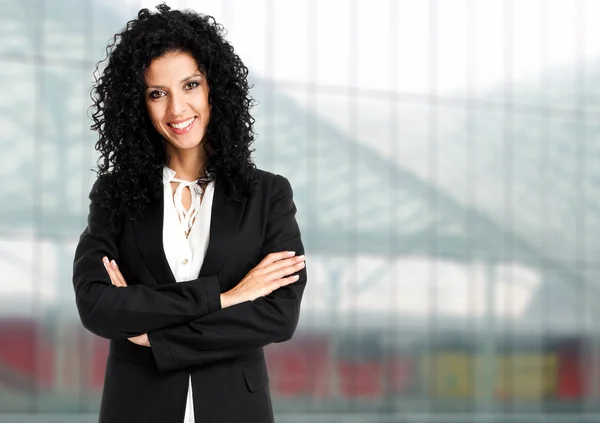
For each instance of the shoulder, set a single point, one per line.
(273, 183)
(102, 188)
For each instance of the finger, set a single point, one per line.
(115, 272)
(108, 269)
(118, 273)
(273, 257)
(113, 279)
(288, 280)
(111, 272)
(280, 264)
(278, 283)
(283, 268)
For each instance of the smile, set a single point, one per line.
(183, 127)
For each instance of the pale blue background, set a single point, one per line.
(444, 157)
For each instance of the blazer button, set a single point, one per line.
(184, 261)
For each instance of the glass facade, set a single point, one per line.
(442, 156)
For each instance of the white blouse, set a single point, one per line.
(186, 254)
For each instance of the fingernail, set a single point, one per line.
(291, 253)
(105, 259)
(114, 263)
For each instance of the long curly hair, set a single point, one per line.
(132, 152)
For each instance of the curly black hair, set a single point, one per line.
(127, 139)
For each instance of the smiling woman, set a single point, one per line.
(163, 70)
(192, 259)
(177, 100)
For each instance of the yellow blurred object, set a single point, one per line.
(448, 374)
(526, 376)
(451, 374)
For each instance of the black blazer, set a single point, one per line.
(187, 329)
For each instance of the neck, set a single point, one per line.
(188, 164)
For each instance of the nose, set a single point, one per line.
(176, 106)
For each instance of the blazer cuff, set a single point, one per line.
(164, 356)
(212, 286)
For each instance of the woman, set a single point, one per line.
(205, 245)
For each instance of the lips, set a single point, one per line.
(182, 130)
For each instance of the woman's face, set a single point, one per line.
(176, 98)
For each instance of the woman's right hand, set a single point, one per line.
(268, 275)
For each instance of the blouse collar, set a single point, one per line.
(169, 174)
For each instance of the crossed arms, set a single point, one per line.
(184, 321)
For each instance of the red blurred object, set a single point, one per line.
(570, 383)
(300, 367)
(361, 378)
(26, 357)
(98, 363)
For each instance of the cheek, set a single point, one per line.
(202, 103)
(154, 115)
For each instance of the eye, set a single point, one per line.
(193, 82)
(153, 94)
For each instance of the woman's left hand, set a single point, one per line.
(141, 340)
(118, 280)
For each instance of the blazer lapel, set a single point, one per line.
(149, 239)
(224, 222)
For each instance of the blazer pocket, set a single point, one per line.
(256, 375)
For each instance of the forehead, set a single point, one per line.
(172, 65)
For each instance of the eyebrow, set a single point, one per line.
(181, 82)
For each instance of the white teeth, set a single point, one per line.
(182, 125)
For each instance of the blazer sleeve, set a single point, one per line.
(121, 312)
(252, 324)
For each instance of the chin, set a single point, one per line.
(183, 145)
